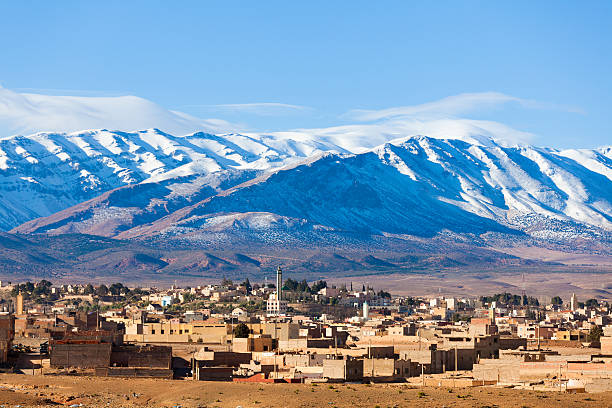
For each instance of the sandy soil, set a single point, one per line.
(543, 285)
(549, 255)
(29, 391)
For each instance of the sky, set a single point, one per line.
(534, 72)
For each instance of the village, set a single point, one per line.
(300, 332)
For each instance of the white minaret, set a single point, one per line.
(366, 310)
(573, 303)
(279, 283)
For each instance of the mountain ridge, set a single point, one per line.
(449, 184)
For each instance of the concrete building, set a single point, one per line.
(345, 369)
(389, 369)
(276, 307)
(210, 365)
(253, 344)
(177, 332)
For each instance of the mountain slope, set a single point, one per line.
(45, 173)
(207, 189)
(416, 186)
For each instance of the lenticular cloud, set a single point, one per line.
(29, 113)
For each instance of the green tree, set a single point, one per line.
(384, 294)
(556, 301)
(247, 285)
(591, 303)
(317, 286)
(115, 289)
(290, 285)
(241, 331)
(88, 290)
(595, 333)
(29, 287)
(102, 290)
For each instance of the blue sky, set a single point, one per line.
(272, 66)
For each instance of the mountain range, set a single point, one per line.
(205, 191)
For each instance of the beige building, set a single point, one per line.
(276, 307)
(175, 332)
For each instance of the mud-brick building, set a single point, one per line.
(80, 355)
(7, 334)
(345, 369)
(217, 365)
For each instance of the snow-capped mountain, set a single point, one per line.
(417, 186)
(44, 173)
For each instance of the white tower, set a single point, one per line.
(279, 283)
(366, 310)
(573, 302)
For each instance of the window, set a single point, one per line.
(162, 331)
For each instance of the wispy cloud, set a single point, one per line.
(357, 138)
(29, 113)
(70, 92)
(258, 108)
(445, 118)
(453, 106)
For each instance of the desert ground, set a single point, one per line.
(543, 285)
(73, 391)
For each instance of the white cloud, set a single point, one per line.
(29, 113)
(360, 137)
(455, 105)
(439, 119)
(259, 108)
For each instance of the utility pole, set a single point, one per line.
(276, 336)
(232, 334)
(456, 369)
(422, 374)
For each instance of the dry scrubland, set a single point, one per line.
(543, 284)
(29, 391)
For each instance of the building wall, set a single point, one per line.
(345, 370)
(131, 372)
(222, 358)
(147, 356)
(511, 343)
(168, 332)
(80, 355)
(7, 334)
(203, 373)
(252, 344)
(389, 368)
(606, 345)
